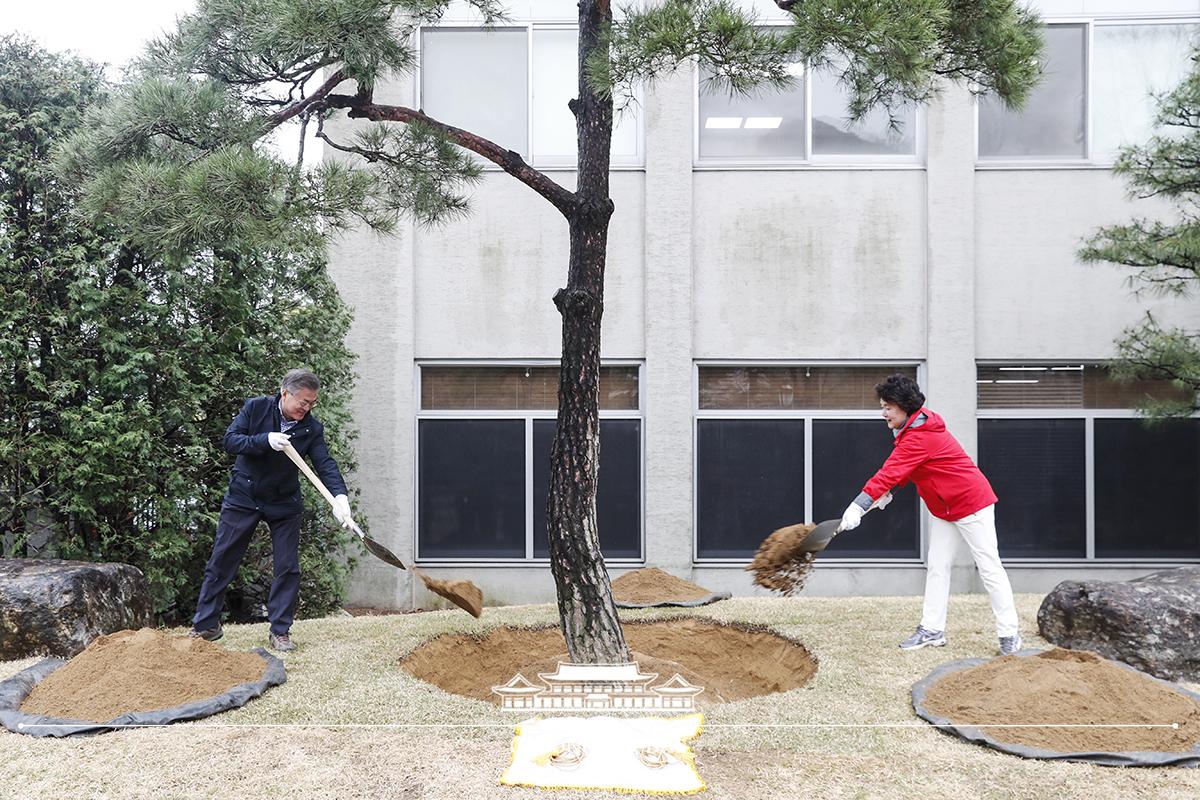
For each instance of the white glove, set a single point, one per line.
(882, 502)
(341, 510)
(852, 517)
(278, 441)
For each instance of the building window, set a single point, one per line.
(778, 445)
(1078, 475)
(1095, 95)
(772, 126)
(483, 452)
(512, 85)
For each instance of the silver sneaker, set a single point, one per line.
(281, 643)
(923, 637)
(1009, 645)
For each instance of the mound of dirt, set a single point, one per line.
(141, 670)
(731, 662)
(1068, 687)
(652, 585)
(780, 564)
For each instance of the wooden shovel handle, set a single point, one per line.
(298, 460)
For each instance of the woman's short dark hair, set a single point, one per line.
(902, 391)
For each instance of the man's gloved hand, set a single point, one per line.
(882, 502)
(852, 517)
(278, 441)
(341, 510)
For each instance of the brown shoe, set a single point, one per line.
(280, 642)
(208, 634)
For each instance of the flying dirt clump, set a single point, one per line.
(781, 564)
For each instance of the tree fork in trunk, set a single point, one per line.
(586, 610)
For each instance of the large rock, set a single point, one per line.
(1152, 622)
(51, 607)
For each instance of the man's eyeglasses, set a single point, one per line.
(307, 405)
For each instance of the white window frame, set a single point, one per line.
(807, 415)
(528, 415)
(808, 160)
(637, 163)
(1090, 160)
(1089, 416)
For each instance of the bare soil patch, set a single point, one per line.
(652, 585)
(1068, 687)
(731, 661)
(143, 670)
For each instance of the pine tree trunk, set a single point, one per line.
(585, 605)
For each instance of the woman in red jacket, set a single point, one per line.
(960, 502)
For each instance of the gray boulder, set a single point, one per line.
(52, 607)
(1152, 622)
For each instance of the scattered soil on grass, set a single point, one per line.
(142, 670)
(375, 611)
(1068, 687)
(780, 564)
(731, 662)
(652, 585)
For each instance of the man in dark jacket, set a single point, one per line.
(265, 485)
(961, 505)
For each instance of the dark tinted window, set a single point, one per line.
(1037, 467)
(618, 491)
(1147, 489)
(750, 481)
(845, 454)
(471, 475)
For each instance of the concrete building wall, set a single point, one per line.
(942, 263)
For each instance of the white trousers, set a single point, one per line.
(979, 531)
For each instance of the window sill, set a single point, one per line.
(1027, 165)
(806, 166)
(845, 563)
(448, 563)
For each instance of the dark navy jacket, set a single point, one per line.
(266, 480)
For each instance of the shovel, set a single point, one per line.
(820, 536)
(463, 594)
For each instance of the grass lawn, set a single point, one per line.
(344, 673)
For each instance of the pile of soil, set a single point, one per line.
(1067, 687)
(731, 662)
(143, 670)
(780, 564)
(652, 585)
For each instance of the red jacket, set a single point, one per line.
(946, 477)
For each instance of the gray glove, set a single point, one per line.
(278, 441)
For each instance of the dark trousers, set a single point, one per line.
(233, 537)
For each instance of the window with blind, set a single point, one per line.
(1051, 436)
(484, 436)
(778, 445)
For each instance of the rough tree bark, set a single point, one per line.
(585, 605)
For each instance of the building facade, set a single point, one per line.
(767, 265)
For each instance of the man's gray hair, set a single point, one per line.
(299, 379)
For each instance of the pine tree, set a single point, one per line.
(183, 134)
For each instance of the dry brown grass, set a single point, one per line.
(345, 673)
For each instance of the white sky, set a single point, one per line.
(113, 32)
(109, 31)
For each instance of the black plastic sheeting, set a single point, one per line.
(14, 690)
(971, 734)
(703, 601)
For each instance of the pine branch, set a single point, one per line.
(508, 160)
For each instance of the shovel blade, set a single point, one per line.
(381, 552)
(820, 536)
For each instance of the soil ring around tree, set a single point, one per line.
(731, 661)
(1064, 704)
